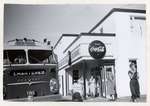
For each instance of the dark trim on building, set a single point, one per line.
(66, 82)
(65, 35)
(98, 34)
(117, 10)
(89, 34)
(62, 78)
(140, 18)
(84, 78)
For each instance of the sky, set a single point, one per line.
(51, 21)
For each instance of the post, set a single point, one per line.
(84, 78)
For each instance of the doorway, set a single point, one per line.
(105, 81)
(110, 81)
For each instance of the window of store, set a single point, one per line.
(75, 76)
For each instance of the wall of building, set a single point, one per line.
(84, 41)
(59, 50)
(130, 46)
(109, 42)
(108, 25)
(62, 45)
(62, 82)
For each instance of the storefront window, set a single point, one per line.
(75, 76)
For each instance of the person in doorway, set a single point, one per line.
(111, 86)
(77, 91)
(92, 84)
(134, 84)
(97, 86)
(80, 81)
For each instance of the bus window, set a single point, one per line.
(39, 56)
(14, 57)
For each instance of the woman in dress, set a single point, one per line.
(134, 84)
(92, 86)
(111, 85)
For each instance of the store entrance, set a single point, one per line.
(109, 81)
(104, 75)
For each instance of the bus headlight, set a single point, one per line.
(53, 85)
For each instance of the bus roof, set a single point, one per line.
(22, 44)
(12, 47)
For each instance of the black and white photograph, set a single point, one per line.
(74, 53)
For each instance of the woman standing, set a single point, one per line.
(111, 85)
(92, 86)
(134, 84)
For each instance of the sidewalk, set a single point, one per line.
(121, 99)
(59, 98)
(97, 99)
(127, 99)
(39, 99)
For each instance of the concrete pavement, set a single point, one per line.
(59, 98)
(127, 99)
(121, 99)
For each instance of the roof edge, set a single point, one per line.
(117, 10)
(67, 35)
(88, 34)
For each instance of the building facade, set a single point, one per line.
(104, 54)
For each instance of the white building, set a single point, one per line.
(122, 31)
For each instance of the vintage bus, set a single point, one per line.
(29, 69)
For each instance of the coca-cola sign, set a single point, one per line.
(97, 49)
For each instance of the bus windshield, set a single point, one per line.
(39, 56)
(14, 57)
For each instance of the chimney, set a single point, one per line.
(45, 40)
(48, 42)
